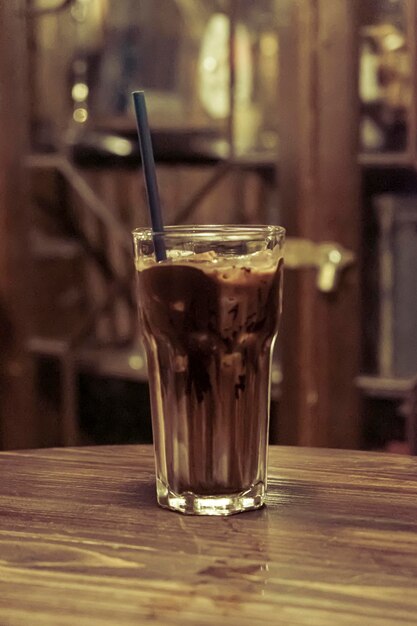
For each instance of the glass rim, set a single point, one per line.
(254, 231)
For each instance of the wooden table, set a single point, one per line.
(83, 543)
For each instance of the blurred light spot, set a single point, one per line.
(80, 115)
(210, 64)
(136, 362)
(335, 256)
(276, 376)
(79, 92)
(117, 145)
(393, 41)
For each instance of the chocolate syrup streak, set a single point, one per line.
(209, 338)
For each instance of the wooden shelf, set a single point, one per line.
(112, 362)
(251, 161)
(108, 362)
(386, 160)
(123, 363)
(383, 387)
(262, 160)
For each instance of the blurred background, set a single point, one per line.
(298, 112)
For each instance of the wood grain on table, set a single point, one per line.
(82, 542)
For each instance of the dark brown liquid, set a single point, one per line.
(208, 337)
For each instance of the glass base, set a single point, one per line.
(226, 504)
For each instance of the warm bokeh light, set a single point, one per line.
(80, 115)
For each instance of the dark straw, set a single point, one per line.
(148, 165)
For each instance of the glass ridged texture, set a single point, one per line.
(209, 317)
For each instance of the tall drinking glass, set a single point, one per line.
(209, 316)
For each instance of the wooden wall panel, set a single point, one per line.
(18, 427)
(319, 182)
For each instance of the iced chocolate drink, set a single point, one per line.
(209, 316)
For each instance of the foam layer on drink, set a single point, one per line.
(209, 323)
